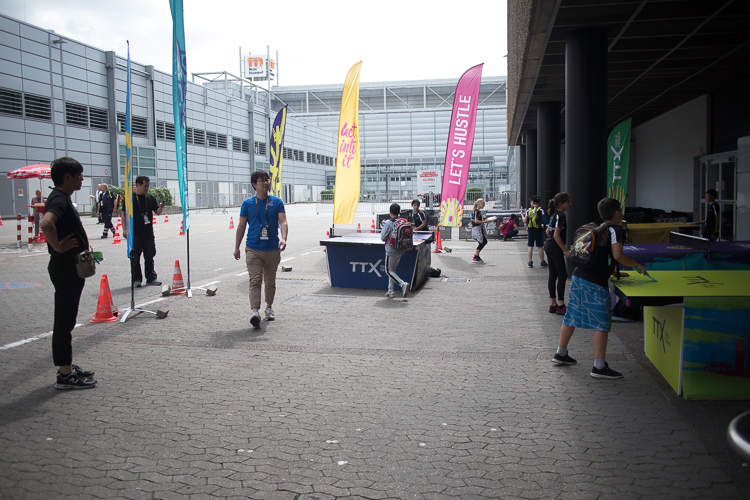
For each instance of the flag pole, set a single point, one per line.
(129, 196)
(187, 233)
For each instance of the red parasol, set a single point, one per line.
(39, 170)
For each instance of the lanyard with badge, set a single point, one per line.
(146, 220)
(263, 228)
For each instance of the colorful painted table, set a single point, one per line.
(701, 342)
(657, 232)
(358, 261)
(725, 255)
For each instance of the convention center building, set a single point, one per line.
(60, 97)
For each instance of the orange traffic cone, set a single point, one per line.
(181, 233)
(166, 217)
(359, 229)
(154, 221)
(178, 285)
(231, 223)
(104, 307)
(439, 244)
(119, 222)
(1, 221)
(372, 228)
(117, 240)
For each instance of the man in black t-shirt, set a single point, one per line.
(66, 238)
(144, 208)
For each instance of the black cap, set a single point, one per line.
(536, 199)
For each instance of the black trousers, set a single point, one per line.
(483, 244)
(106, 216)
(147, 247)
(68, 288)
(558, 274)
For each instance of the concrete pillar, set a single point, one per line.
(522, 171)
(585, 123)
(531, 168)
(548, 150)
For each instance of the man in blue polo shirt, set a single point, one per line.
(263, 215)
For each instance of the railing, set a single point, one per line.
(381, 203)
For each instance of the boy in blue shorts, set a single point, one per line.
(533, 219)
(589, 300)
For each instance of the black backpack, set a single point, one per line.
(589, 241)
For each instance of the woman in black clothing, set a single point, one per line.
(556, 251)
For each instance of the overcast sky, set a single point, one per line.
(317, 40)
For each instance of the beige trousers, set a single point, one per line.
(261, 267)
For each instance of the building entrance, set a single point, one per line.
(719, 172)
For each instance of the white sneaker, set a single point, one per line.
(405, 288)
(390, 294)
(269, 314)
(255, 319)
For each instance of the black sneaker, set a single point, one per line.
(531, 263)
(153, 283)
(605, 372)
(81, 372)
(73, 381)
(563, 360)
(543, 263)
(137, 284)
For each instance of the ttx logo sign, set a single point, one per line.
(363, 267)
(661, 333)
(701, 281)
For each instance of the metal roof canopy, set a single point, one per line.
(661, 54)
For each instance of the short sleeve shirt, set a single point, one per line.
(68, 222)
(510, 225)
(419, 218)
(144, 206)
(711, 210)
(262, 213)
(599, 274)
(558, 219)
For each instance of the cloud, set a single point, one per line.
(317, 42)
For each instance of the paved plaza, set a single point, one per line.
(449, 393)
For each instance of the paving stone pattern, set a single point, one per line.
(447, 394)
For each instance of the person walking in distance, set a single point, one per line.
(263, 215)
(478, 231)
(98, 201)
(144, 208)
(534, 221)
(66, 238)
(107, 207)
(392, 255)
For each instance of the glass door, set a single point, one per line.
(719, 173)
